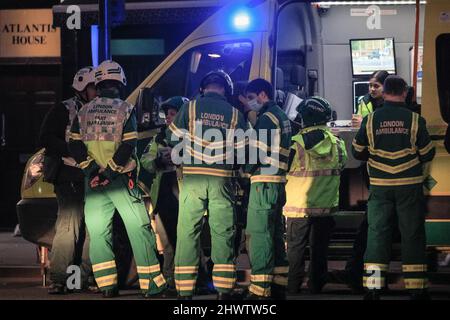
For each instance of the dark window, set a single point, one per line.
(443, 74)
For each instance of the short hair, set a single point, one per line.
(259, 85)
(394, 85)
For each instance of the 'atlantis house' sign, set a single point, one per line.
(28, 34)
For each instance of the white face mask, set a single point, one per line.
(254, 105)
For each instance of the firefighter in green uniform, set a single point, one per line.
(395, 143)
(164, 191)
(205, 125)
(312, 193)
(271, 141)
(103, 142)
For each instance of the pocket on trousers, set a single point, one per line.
(258, 221)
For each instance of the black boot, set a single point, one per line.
(278, 292)
(184, 298)
(110, 293)
(372, 295)
(160, 295)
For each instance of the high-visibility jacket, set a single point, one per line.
(366, 106)
(395, 143)
(149, 162)
(104, 135)
(270, 142)
(314, 177)
(205, 125)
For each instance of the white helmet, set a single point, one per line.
(110, 70)
(82, 78)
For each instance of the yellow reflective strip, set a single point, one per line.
(280, 270)
(414, 128)
(175, 130)
(224, 279)
(275, 163)
(103, 266)
(392, 155)
(106, 280)
(144, 284)
(261, 278)
(75, 136)
(115, 167)
(147, 270)
(414, 268)
(273, 118)
(395, 182)
(369, 131)
(130, 136)
(267, 178)
(185, 284)
(206, 158)
(376, 266)
(259, 291)
(186, 270)
(159, 280)
(192, 118)
(85, 164)
(210, 171)
(426, 149)
(224, 268)
(281, 281)
(358, 147)
(394, 169)
(416, 283)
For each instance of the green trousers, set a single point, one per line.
(266, 228)
(384, 203)
(99, 211)
(214, 195)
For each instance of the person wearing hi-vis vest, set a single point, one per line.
(395, 143)
(103, 142)
(208, 173)
(271, 141)
(312, 192)
(164, 191)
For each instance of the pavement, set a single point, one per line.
(20, 279)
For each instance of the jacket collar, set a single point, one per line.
(214, 95)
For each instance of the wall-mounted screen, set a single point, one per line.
(370, 55)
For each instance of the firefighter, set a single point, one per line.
(396, 144)
(67, 178)
(103, 142)
(267, 194)
(207, 183)
(164, 190)
(312, 193)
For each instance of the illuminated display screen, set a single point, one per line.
(370, 55)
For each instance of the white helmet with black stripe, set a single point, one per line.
(82, 78)
(110, 70)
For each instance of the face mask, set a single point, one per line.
(254, 105)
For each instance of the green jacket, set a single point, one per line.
(314, 176)
(104, 135)
(150, 162)
(272, 167)
(395, 143)
(203, 124)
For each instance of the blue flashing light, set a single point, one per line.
(94, 45)
(241, 20)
